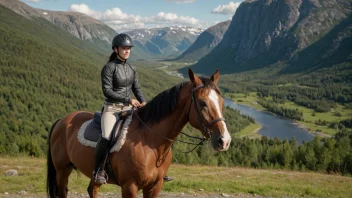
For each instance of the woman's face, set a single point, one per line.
(123, 51)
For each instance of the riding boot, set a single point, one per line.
(101, 152)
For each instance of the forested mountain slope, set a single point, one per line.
(47, 73)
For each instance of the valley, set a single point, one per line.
(290, 60)
(317, 123)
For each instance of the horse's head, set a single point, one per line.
(205, 110)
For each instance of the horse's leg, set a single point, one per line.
(63, 169)
(129, 190)
(93, 189)
(153, 191)
(62, 180)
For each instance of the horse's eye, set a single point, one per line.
(202, 104)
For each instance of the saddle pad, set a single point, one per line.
(88, 134)
(92, 131)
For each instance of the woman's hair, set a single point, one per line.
(113, 56)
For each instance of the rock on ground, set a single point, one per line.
(11, 172)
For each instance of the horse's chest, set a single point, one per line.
(147, 169)
(141, 166)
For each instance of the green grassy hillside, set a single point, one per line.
(190, 181)
(320, 99)
(43, 70)
(47, 73)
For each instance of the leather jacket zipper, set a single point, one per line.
(124, 67)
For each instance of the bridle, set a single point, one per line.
(205, 129)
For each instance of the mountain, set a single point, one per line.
(47, 73)
(83, 27)
(265, 32)
(79, 25)
(164, 42)
(206, 42)
(149, 44)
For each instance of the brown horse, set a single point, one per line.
(145, 157)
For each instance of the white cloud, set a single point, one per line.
(83, 8)
(121, 21)
(228, 9)
(117, 16)
(181, 1)
(173, 18)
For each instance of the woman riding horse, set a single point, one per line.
(146, 155)
(118, 79)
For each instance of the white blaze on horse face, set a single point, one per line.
(226, 135)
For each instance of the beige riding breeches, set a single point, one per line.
(110, 116)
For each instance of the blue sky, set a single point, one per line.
(123, 15)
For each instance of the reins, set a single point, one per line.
(133, 110)
(205, 129)
(202, 139)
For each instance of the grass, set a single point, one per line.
(189, 180)
(171, 68)
(32, 177)
(250, 131)
(339, 113)
(310, 117)
(328, 116)
(290, 85)
(285, 85)
(276, 183)
(250, 99)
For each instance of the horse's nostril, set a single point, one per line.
(220, 141)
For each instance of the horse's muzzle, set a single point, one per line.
(223, 144)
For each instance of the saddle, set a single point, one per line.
(91, 130)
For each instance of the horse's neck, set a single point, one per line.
(170, 127)
(173, 124)
(178, 119)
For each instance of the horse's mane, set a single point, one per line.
(165, 102)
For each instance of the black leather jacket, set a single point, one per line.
(118, 79)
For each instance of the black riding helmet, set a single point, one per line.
(122, 40)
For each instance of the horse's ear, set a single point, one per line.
(194, 78)
(215, 77)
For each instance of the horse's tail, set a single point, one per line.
(51, 184)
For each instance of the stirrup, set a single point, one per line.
(101, 177)
(167, 178)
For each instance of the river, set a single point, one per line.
(272, 125)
